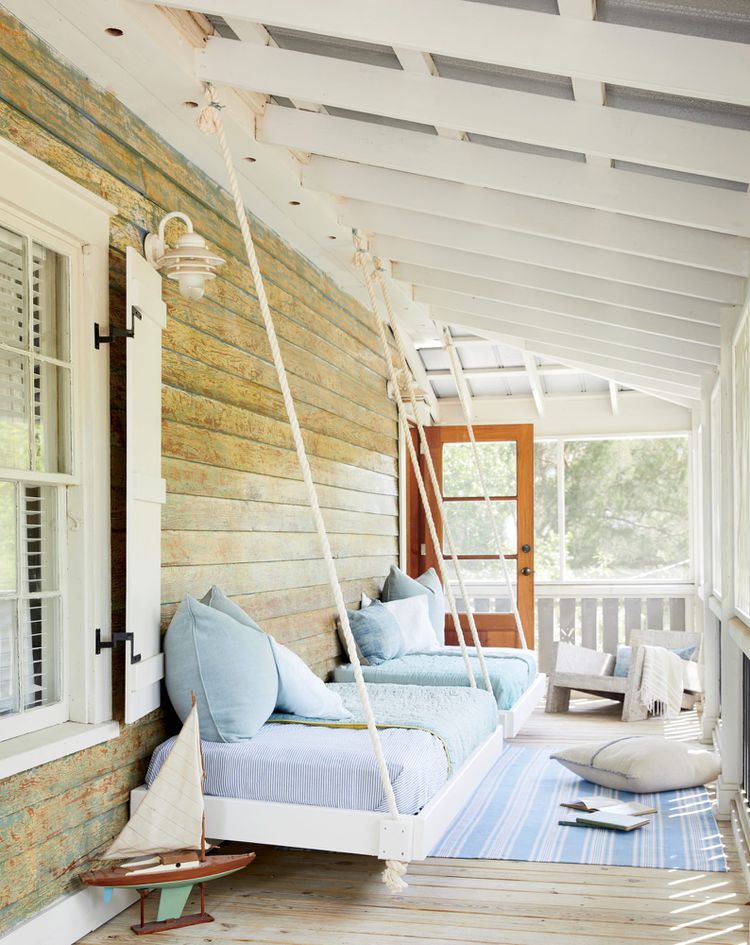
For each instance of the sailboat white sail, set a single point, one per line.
(171, 815)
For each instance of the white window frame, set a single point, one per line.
(57, 212)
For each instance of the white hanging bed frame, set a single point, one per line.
(372, 833)
(511, 720)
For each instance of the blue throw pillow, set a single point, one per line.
(232, 672)
(377, 633)
(399, 586)
(217, 599)
(625, 655)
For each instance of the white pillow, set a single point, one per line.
(642, 764)
(413, 617)
(301, 692)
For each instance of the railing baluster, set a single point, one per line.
(588, 622)
(545, 610)
(677, 613)
(633, 616)
(611, 624)
(655, 613)
(568, 619)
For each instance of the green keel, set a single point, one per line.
(172, 900)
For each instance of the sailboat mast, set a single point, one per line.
(203, 817)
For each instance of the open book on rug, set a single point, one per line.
(608, 820)
(613, 805)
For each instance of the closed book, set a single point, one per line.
(611, 821)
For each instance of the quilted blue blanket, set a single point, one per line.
(459, 717)
(511, 671)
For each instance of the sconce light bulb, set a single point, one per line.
(192, 286)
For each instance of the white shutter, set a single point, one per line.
(145, 488)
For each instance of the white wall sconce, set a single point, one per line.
(189, 261)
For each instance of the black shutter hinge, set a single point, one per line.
(116, 332)
(118, 637)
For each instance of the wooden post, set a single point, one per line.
(704, 516)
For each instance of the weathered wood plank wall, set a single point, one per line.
(236, 512)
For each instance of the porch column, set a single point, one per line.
(731, 656)
(702, 439)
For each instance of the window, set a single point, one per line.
(54, 465)
(35, 454)
(612, 509)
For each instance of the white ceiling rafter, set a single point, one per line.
(621, 55)
(405, 253)
(636, 137)
(537, 391)
(531, 215)
(642, 341)
(541, 300)
(539, 251)
(620, 191)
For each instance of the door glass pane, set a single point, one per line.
(472, 531)
(546, 525)
(626, 509)
(498, 463)
(488, 570)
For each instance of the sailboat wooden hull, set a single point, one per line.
(195, 871)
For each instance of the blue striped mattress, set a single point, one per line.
(511, 671)
(303, 761)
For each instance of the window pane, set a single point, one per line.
(51, 416)
(12, 290)
(472, 531)
(626, 509)
(8, 658)
(49, 309)
(495, 601)
(39, 540)
(546, 525)
(41, 665)
(8, 539)
(498, 462)
(14, 410)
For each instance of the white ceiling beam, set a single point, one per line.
(608, 368)
(536, 250)
(677, 371)
(614, 398)
(483, 109)
(505, 373)
(586, 90)
(421, 63)
(537, 391)
(567, 222)
(407, 252)
(620, 55)
(698, 357)
(540, 300)
(621, 191)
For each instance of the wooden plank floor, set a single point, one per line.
(304, 898)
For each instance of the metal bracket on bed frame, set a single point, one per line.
(396, 840)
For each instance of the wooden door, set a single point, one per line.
(507, 455)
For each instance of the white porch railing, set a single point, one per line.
(599, 616)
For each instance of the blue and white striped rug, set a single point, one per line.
(514, 814)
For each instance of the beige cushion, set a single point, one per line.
(642, 764)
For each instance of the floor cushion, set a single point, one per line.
(642, 764)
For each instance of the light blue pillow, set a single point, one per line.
(232, 672)
(217, 599)
(376, 633)
(625, 655)
(399, 585)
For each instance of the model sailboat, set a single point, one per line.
(166, 836)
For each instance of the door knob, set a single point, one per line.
(526, 571)
(525, 549)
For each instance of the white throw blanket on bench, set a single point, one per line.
(661, 682)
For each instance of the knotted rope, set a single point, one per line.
(210, 123)
(450, 350)
(436, 489)
(362, 261)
